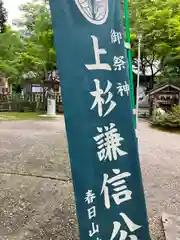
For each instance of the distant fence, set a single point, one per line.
(27, 103)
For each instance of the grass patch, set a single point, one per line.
(19, 116)
(165, 129)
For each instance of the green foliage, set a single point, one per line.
(39, 55)
(168, 120)
(30, 49)
(11, 47)
(159, 23)
(3, 17)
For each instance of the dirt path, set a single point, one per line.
(36, 194)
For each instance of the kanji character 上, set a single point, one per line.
(108, 143)
(124, 234)
(90, 196)
(119, 63)
(116, 36)
(99, 96)
(97, 52)
(121, 193)
(123, 89)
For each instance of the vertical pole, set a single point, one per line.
(138, 76)
(129, 55)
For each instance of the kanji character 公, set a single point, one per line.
(98, 94)
(119, 63)
(123, 89)
(121, 193)
(124, 234)
(108, 142)
(97, 52)
(116, 36)
(95, 229)
(90, 196)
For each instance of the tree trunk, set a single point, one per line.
(151, 83)
(151, 86)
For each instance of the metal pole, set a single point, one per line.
(129, 55)
(138, 77)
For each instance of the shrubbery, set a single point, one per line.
(167, 120)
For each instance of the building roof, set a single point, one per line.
(163, 86)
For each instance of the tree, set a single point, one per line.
(30, 48)
(3, 17)
(36, 25)
(11, 46)
(159, 23)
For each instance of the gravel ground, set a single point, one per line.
(160, 163)
(36, 194)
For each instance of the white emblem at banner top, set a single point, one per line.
(95, 11)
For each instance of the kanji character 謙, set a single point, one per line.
(108, 143)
